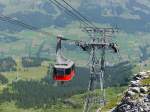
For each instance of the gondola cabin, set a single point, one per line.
(64, 69)
(64, 72)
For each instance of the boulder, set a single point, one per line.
(143, 89)
(137, 78)
(134, 83)
(146, 104)
(145, 76)
(146, 99)
(141, 95)
(130, 93)
(141, 109)
(135, 89)
(148, 96)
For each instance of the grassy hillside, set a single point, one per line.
(27, 42)
(69, 104)
(32, 89)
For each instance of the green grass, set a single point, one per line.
(34, 73)
(26, 74)
(11, 107)
(146, 81)
(2, 86)
(113, 95)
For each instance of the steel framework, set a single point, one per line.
(99, 43)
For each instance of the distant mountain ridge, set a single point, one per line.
(129, 15)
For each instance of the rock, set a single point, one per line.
(146, 106)
(126, 99)
(145, 77)
(139, 75)
(143, 89)
(130, 103)
(148, 72)
(128, 107)
(141, 109)
(135, 89)
(146, 100)
(137, 78)
(148, 96)
(141, 95)
(130, 93)
(145, 74)
(142, 73)
(134, 83)
(138, 81)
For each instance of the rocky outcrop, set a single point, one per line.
(137, 97)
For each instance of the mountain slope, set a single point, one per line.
(129, 15)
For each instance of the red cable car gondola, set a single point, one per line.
(64, 69)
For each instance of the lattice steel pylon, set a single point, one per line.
(96, 47)
(97, 62)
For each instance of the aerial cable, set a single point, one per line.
(17, 22)
(59, 5)
(27, 26)
(79, 13)
(20, 23)
(69, 12)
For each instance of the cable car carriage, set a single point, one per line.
(64, 69)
